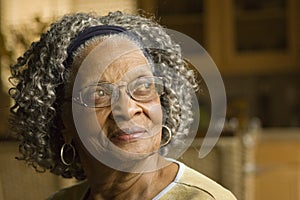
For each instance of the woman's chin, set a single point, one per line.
(135, 149)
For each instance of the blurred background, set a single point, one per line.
(256, 46)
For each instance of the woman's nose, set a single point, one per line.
(125, 107)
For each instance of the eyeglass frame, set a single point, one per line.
(79, 98)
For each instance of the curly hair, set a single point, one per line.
(39, 78)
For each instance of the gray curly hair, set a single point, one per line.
(40, 76)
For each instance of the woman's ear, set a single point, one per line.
(67, 128)
(67, 134)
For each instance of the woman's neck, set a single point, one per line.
(108, 183)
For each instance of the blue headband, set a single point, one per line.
(87, 34)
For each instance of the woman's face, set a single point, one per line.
(132, 126)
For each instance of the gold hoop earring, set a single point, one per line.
(169, 138)
(62, 153)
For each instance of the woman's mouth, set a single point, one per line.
(127, 135)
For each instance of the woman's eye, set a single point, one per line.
(99, 93)
(96, 96)
(144, 86)
(92, 96)
(144, 91)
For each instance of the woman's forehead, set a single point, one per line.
(111, 59)
(131, 65)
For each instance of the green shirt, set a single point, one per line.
(188, 184)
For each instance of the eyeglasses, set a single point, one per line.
(143, 89)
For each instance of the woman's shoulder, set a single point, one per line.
(75, 192)
(190, 184)
(193, 180)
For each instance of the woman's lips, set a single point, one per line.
(127, 135)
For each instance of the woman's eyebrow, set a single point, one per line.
(94, 83)
(133, 76)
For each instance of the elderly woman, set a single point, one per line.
(106, 100)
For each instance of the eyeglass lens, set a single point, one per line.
(104, 94)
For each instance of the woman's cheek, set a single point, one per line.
(90, 121)
(155, 113)
(102, 115)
